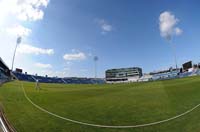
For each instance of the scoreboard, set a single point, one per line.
(19, 70)
(187, 65)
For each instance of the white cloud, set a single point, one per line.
(44, 66)
(13, 15)
(28, 49)
(19, 30)
(74, 56)
(178, 31)
(167, 25)
(105, 27)
(25, 10)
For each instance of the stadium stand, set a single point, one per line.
(69, 80)
(123, 75)
(165, 74)
(171, 73)
(193, 72)
(24, 77)
(158, 75)
(75, 80)
(145, 78)
(4, 72)
(198, 72)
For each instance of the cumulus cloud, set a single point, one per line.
(44, 66)
(105, 27)
(25, 10)
(74, 56)
(19, 30)
(28, 49)
(14, 12)
(14, 15)
(167, 25)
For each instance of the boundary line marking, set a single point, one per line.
(107, 126)
(3, 126)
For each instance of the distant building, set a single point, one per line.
(121, 75)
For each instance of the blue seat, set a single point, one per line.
(70, 80)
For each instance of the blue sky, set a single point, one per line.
(123, 33)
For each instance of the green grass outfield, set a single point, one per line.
(108, 104)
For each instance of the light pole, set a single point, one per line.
(19, 39)
(169, 39)
(95, 66)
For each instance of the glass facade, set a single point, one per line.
(123, 74)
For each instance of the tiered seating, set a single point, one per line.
(198, 72)
(24, 77)
(186, 74)
(71, 80)
(48, 79)
(166, 75)
(4, 72)
(3, 77)
(83, 80)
